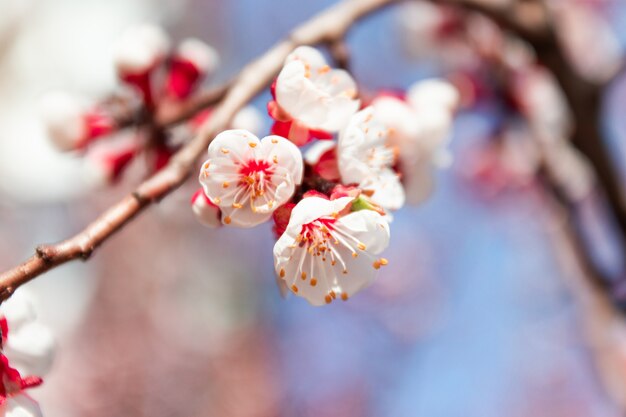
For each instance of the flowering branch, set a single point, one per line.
(328, 26)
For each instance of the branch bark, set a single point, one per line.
(327, 27)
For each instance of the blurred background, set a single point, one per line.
(475, 316)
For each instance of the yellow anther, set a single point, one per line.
(344, 296)
(227, 219)
(274, 141)
(376, 264)
(384, 261)
(225, 184)
(328, 299)
(313, 282)
(237, 205)
(361, 246)
(303, 276)
(294, 288)
(224, 151)
(355, 255)
(282, 273)
(323, 70)
(252, 144)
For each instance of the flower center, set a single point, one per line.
(255, 176)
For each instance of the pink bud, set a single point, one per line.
(108, 167)
(192, 61)
(138, 52)
(72, 125)
(205, 211)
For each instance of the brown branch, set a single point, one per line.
(326, 27)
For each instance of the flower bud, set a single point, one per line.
(70, 124)
(205, 211)
(192, 61)
(106, 168)
(138, 52)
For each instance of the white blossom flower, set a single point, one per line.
(314, 94)
(366, 158)
(29, 345)
(249, 178)
(324, 254)
(420, 131)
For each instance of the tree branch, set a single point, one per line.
(326, 27)
(531, 21)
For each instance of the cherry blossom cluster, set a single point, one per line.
(329, 174)
(27, 350)
(156, 78)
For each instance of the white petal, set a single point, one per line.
(314, 94)
(31, 349)
(312, 208)
(63, 115)
(276, 148)
(433, 93)
(307, 55)
(235, 144)
(244, 217)
(203, 56)
(139, 48)
(368, 227)
(387, 188)
(21, 405)
(363, 133)
(207, 214)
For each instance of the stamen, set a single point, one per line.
(227, 219)
(384, 261)
(274, 141)
(304, 275)
(252, 144)
(225, 184)
(344, 296)
(237, 205)
(294, 288)
(224, 151)
(282, 273)
(361, 246)
(313, 282)
(328, 299)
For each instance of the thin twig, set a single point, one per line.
(326, 27)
